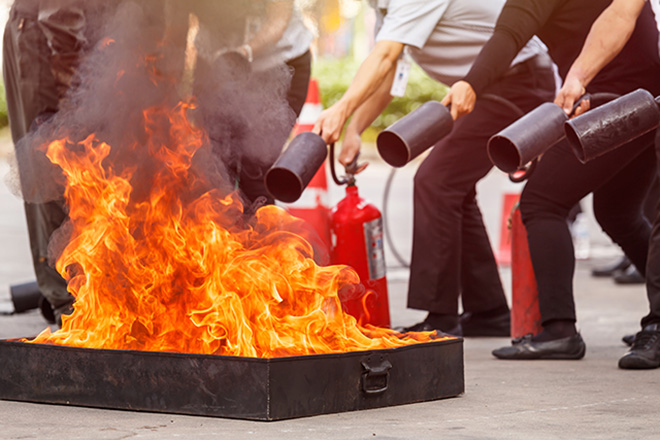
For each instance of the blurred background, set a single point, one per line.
(344, 37)
(344, 30)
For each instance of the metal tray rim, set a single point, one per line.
(16, 342)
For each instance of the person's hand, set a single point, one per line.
(350, 149)
(570, 92)
(460, 99)
(330, 123)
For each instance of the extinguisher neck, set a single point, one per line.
(352, 191)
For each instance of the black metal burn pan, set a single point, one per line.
(228, 386)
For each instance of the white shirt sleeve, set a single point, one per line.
(411, 22)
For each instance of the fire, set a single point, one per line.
(178, 269)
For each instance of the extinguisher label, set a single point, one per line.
(373, 239)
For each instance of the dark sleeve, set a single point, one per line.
(519, 21)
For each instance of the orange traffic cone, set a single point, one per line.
(525, 314)
(503, 254)
(311, 109)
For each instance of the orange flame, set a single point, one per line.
(162, 274)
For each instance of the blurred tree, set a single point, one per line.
(4, 120)
(335, 75)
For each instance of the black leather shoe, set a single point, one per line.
(426, 327)
(474, 324)
(645, 350)
(572, 347)
(609, 270)
(629, 276)
(628, 340)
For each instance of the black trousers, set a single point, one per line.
(31, 90)
(619, 181)
(653, 262)
(451, 253)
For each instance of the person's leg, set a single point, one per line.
(645, 350)
(11, 76)
(446, 219)
(618, 207)
(480, 283)
(623, 271)
(31, 91)
(653, 276)
(653, 261)
(451, 251)
(652, 199)
(558, 183)
(43, 220)
(484, 313)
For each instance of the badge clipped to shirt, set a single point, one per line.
(401, 76)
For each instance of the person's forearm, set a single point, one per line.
(372, 107)
(375, 69)
(608, 34)
(369, 78)
(278, 14)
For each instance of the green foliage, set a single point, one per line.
(3, 107)
(335, 75)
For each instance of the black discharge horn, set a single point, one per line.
(611, 125)
(413, 134)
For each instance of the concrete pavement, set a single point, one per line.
(587, 399)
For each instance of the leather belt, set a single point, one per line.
(538, 61)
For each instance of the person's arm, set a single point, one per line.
(608, 34)
(373, 71)
(517, 23)
(278, 14)
(362, 119)
(406, 23)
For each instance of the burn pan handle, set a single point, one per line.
(376, 376)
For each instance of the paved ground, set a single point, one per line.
(583, 399)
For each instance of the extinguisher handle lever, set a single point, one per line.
(353, 167)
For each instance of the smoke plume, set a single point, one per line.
(135, 60)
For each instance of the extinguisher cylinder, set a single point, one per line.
(357, 241)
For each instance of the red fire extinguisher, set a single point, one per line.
(357, 241)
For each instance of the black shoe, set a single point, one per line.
(572, 347)
(629, 276)
(645, 350)
(426, 327)
(628, 340)
(475, 324)
(608, 271)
